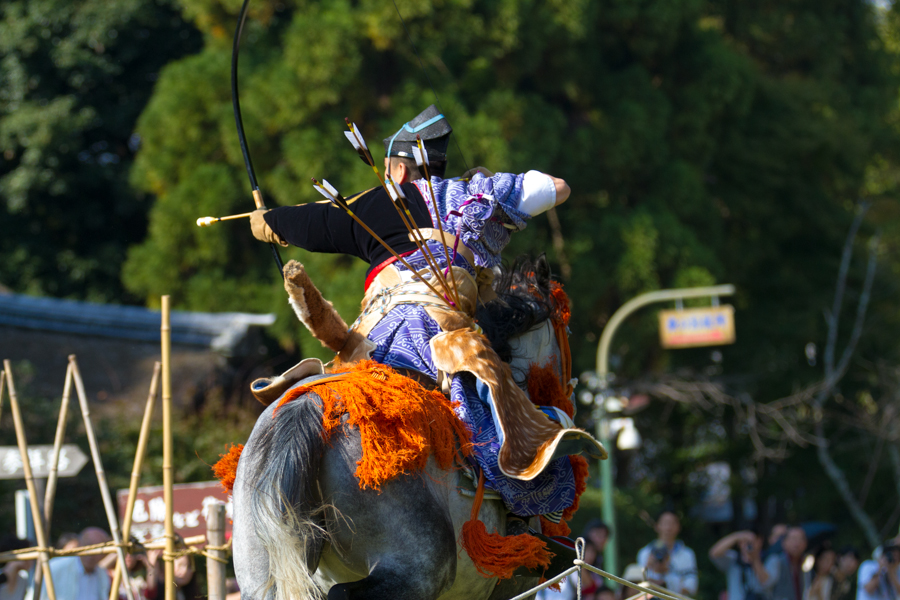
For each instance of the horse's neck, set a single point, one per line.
(536, 346)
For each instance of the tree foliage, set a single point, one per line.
(73, 78)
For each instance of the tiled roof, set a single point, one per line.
(221, 332)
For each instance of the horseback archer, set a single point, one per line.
(428, 273)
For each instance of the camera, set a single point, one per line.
(660, 552)
(891, 553)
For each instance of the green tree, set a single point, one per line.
(73, 78)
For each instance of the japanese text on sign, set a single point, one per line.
(693, 327)
(190, 507)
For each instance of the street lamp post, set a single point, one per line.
(610, 554)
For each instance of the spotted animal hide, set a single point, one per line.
(320, 317)
(530, 439)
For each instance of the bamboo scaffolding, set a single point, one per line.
(59, 438)
(215, 565)
(101, 474)
(43, 555)
(166, 343)
(136, 473)
(107, 548)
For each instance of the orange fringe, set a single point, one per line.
(495, 555)
(551, 529)
(562, 310)
(580, 470)
(225, 469)
(544, 384)
(545, 388)
(400, 422)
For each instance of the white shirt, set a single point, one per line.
(682, 574)
(864, 576)
(72, 583)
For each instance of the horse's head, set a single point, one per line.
(527, 324)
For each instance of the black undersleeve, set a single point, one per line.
(323, 227)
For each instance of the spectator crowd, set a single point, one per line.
(782, 565)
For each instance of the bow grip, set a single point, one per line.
(258, 199)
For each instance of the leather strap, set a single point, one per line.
(449, 240)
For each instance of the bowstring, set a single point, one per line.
(428, 79)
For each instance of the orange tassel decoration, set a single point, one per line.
(495, 555)
(225, 469)
(400, 423)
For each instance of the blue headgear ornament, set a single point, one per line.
(431, 127)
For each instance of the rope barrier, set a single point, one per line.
(191, 546)
(645, 587)
(205, 552)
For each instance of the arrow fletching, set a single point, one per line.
(395, 191)
(357, 141)
(352, 138)
(420, 153)
(328, 190)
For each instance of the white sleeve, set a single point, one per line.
(538, 193)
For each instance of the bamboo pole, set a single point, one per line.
(166, 342)
(50, 492)
(44, 557)
(215, 570)
(2, 387)
(136, 473)
(101, 474)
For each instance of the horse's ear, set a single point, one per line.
(542, 270)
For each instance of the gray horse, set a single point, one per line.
(302, 525)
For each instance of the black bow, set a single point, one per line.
(236, 103)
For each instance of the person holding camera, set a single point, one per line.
(739, 556)
(880, 579)
(790, 580)
(667, 561)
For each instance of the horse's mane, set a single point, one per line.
(523, 301)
